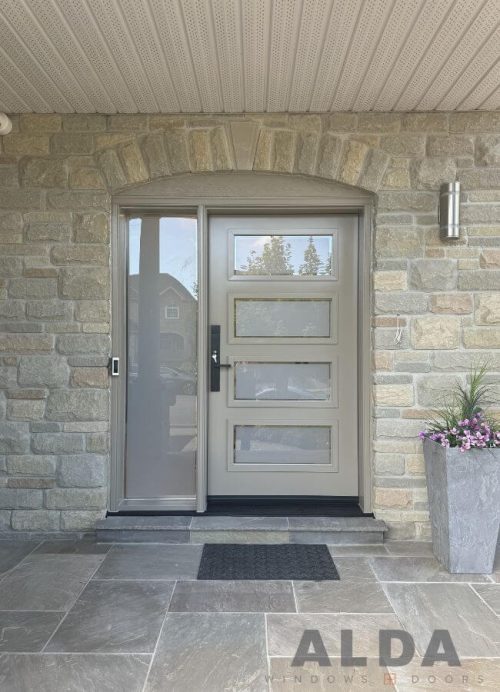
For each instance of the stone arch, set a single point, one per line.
(300, 145)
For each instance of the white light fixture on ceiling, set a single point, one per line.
(5, 124)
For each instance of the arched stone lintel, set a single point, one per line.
(241, 145)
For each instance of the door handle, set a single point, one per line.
(215, 364)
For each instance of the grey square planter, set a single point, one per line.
(464, 504)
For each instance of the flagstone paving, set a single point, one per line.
(80, 616)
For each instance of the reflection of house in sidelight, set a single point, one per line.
(176, 316)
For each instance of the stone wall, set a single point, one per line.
(57, 174)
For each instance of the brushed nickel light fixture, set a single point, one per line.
(449, 211)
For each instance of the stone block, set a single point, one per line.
(20, 498)
(390, 280)
(112, 169)
(200, 153)
(394, 395)
(397, 175)
(403, 145)
(480, 178)
(80, 122)
(80, 283)
(31, 465)
(86, 178)
(10, 267)
(91, 228)
(72, 143)
(482, 337)
(399, 428)
(9, 175)
(176, 146)
(54, 309)
(98, 443)
(76, 498)
(25, 409)
(379, 122)
(433, 274)
(133, 163)
(88, 344)
(33, 288)
(43, 371)
(57, 443)
(395, 241)
(44, 172)
(12, 309)
(80, 405)
(389, 464)
(452, 303)
(12, 198)
(450, 145)
(78, 200)
(155, 154)
(283, 156)
(435, 332)
(221, 158)
(90, 377)
(404, 302)
(429, 174)
(476, 121)
(488, 150)
(434, 390)
(393, 498)
(330, 148)
(82, 471)
(376, 163)
(31, 483)
(483, 214)
(14, 438)
(128, 123)
(490, 258)
(80, 520)
(80, 254)
(26, 145)
(408, 201)
(307, 152)
(263, 151)
(39, 123)
(25, 343)
(35, 520)
(480, 280)
(93, 311)
(487, 308)
(352, 161)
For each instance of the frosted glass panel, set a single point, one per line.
(282, 381)
(162, 309)
(283, 255)
(296, 317)
(282, 444)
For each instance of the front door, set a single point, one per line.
(283, 355)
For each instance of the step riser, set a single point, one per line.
(199, 537)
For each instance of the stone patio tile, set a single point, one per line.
(25, 631)
(341, 597)
(63, 547)
(233, 596)
(72, 673)
(354, 568)
(358, 550)
(423, 608)
(155, 561)
(311, 676)
(491, 594)
(284, 631)
(410, 548)
(210, 652)
(114, 617)
(473, 675)
(12, 552)
(47, 582)
(419, 569)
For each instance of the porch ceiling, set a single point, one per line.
(234, 56)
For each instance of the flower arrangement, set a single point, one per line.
(463, 421)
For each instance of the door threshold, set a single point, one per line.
(267, 506)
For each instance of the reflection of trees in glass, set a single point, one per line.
(312, 260)
(275, 259)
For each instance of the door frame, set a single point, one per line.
(202, 194)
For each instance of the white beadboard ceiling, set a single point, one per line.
(198, 56)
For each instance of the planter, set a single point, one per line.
(464, 504)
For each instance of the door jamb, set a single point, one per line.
(362, 206)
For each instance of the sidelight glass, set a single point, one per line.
(162, 314)
(282, 381)
(282, 444)
(285, 317)
(283, 255)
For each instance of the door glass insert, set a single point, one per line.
(285, 317)
(282, 381)
(283, 255)
(282, 444)
(162, 313)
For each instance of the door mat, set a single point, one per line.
(224, 561)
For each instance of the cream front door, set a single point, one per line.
(283, 355)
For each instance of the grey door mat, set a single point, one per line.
(225, 561)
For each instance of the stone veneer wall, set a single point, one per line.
(56, 177)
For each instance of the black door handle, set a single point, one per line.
(215, 364)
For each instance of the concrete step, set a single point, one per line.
(223, 529)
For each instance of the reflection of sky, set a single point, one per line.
(245, 244)
(178, 253)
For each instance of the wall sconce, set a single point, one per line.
(449, 211)
(5, 124)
